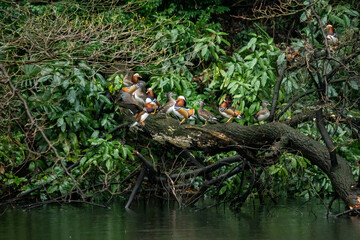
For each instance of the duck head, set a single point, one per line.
(135, 78)
(170, 94)
(150, 92)
(330, 29)
(265, 104)
(225, 103)
(181, 101)
(201, 102)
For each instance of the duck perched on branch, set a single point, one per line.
(169, 106)
(331, 37)
(149, 108)
(227, 112)
(204, 114)
(151, 95)
(264, 113)
(128, 81)
(291, 54)
(181, 111)
(139, 94)
(133, 85)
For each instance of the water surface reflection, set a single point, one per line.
(162, 220)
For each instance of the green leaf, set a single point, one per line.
(198, 47)
(95, 134)
(204, 51)
(257, 85)
(31, 166)
(238, 57)
(230, 70)
(116, 154)
(65, 83)
(264, 79)
(44, 78)
(104, 121)
(101, 79)
(124, 152)
(347, 21)
(52, 189)
(223, 190)
(334, 18)
(252, 108)
(104, 99)
(223, 73)
(252, 63)
(83, 160)
(60, 122)
(108, 164)
(214, 54)
(71, 96)
(56, 80)
(251, 43)
(84, 65)
(63, 127)
(218, 39)
(281, 59)
(210, 30)
(354, 85)
(225, 41)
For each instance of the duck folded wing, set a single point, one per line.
(131, 89)
(230, 112)
(184, 112)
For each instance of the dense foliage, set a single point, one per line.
(66, 59)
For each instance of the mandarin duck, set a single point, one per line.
(169, 106)
(151, 95)
(228, 112)
(204, 114)
(139, 94)
(128, 101)
(134, 84)
(291, 54)
(264, 113)
(128, 81)
(331, 37)
(149, 108)
(182, 112)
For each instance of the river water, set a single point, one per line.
(162, 220)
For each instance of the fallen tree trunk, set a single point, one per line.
(273, 138)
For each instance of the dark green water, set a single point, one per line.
(154, 220)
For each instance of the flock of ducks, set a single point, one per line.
(143, 103)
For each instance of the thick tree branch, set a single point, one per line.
(218, 138)
(326, 137)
